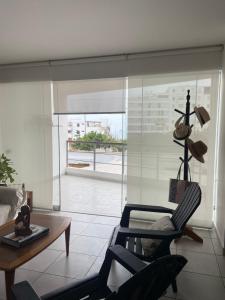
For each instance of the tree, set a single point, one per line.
(91, 140)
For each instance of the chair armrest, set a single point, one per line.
(127, 259)
(148, 208)
(147, 233)
(24, 291)
(80, 289)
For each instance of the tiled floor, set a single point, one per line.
(89, 195)
(203, 278)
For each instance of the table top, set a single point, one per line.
(11, 257)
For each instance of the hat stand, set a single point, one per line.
(188, 229)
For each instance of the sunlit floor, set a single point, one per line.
(91, 196)
(203, 278)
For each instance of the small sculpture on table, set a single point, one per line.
(22, 222)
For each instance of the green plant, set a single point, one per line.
(102, 141)
(6, 171)
(92, 136)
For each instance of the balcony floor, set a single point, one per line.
(90, 196)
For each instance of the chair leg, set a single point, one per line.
(174, 286)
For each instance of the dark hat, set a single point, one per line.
(197, 149)
(181, 131)
(202, 115)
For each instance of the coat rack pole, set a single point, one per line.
(188, 230)
(185, 143)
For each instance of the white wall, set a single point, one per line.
(26, 127)
(220, 204)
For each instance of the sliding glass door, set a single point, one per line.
(90, 146)
(153, 157)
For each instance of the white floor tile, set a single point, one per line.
(88, 195)
(23, 274)
(103, 252)
(80, 217)
(118, 274)
(200, 263)
(217, 246)
(106, 220)
(78, 227)
(188, 244)
(96, 266)
(192, 286)
(98, 230)
(212, 233)
(42, 261)
(221, 263)
(87, 245)
(75, 216)
(76, 265)
(47, 283)
(60, 243)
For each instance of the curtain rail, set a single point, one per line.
(117, 57)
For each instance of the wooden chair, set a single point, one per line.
(131, 237)
(149, 281)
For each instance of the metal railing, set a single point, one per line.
(91, 154)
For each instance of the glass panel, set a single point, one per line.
(153, 158)
(92, 161)
(89, 96)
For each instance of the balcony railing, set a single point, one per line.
(97, 156)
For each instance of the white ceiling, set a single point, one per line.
(34, 30)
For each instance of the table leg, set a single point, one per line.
(9, 281)
(67, 238)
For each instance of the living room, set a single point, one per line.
(57, 59)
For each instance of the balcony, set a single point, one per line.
(97, 157)
(94, 181)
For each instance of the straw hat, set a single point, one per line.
(181, 131)
(202, 115)
(197, 149)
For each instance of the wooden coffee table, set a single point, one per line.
(11, 258)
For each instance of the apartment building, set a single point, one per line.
(78, 128)
(159, 103)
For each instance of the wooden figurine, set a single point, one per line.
(22, 222)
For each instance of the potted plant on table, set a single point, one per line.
(6, 170)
